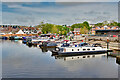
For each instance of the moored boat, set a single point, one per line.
(81, 49)
(48, 44)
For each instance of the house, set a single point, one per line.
(91, 25)
(30, 30)
(76, 31)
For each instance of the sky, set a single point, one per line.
(60, 0)
(56, 12)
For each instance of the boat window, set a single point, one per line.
(72, 50)
(88, 56)
(93, 49)
(78, 49)
(84, 49)
(83, 56)
(81, 44)
(88, 49)
(93, 56)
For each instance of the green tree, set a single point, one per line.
(47, 28)
(78, 25)
(54, 29)
(118, 24)
(84, 30)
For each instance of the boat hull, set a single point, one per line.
(47, 46)
(83, 52)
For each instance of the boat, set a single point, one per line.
(48, 44)
(29, 41)
(36, 43)
(4, 37)
(0, 37)
(18, 38)
(81, 49)
(11, 38)
(15, 38)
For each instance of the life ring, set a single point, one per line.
(57, 49)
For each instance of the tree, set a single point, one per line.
(99, 24)
(47, 28)
(54, 29)
(118, 24)
(84, 30)
(78, 25)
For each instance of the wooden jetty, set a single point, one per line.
(118, 59)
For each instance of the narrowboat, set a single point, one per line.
(81, 49)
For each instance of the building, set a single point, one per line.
(106, 30)
(30, 30)
(76, 31)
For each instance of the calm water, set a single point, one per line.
(20, 61)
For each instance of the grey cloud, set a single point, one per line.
(62, 15)
(92, 12)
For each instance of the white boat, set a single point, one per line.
(80, 49)
(39, 39)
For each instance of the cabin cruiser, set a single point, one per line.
(65, 43)
(81, 49)
(48, 44)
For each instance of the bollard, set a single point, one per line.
(107, 43)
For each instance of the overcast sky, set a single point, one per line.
(32, 13)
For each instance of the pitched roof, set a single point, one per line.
(20, 32)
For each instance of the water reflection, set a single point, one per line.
(78, 57)
(20, 61)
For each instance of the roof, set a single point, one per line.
(10, 33)
(77, 29)
(20, 32)
(107, 30)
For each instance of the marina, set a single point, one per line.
(66, 40)
(21, 61)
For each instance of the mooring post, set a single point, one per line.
(85, 39)
(107, 44)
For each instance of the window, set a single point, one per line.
(84, 49)
(88, 49)
(93, 49)
(78, 49)
(72, 50)
(83, 56)
(88, 56)
(93, 56)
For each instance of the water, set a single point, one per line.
(21, 61)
